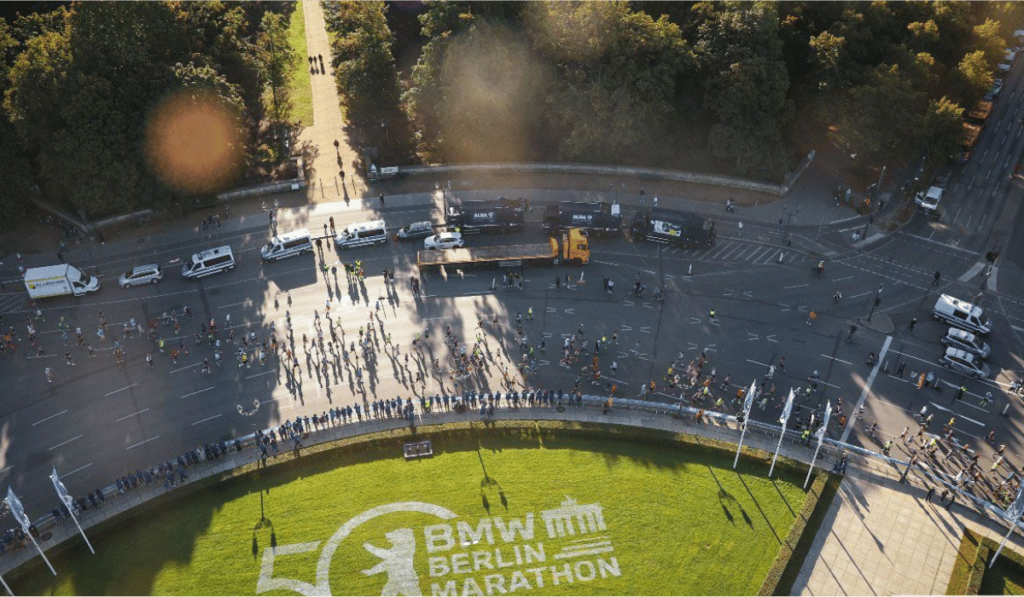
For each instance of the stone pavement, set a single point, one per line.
(883, 538)
(324, 162)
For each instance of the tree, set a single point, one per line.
(277, 58)
(987, 40)
(974, 77)
(16, 174)
(940, 129)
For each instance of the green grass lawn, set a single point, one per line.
(678, 520)
(1006, 577)
(300, 91)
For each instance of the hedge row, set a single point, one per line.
(798, 542)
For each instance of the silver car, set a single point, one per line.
(141, 274)
(964, 363)
(965, 340)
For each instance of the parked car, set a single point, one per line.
(141, 274)
(444, 240)
(997, 88)
(965, 340)
(964, 363)
(416, 230)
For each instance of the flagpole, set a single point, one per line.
(1001, 545)
(18, 511)
(6, 588)
(821, 440)
(1012, 514)
(746, 416)
(784, 420)
(65, 497)
(75, 518)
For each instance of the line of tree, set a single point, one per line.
(81, 83)
(755, 84)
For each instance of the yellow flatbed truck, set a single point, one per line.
(573, 249)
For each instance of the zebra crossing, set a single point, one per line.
(739, 251)
(11, 302)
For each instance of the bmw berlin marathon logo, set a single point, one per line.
(494, 556)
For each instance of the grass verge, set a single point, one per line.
(972, 576)
(678, 518)
(300, 90)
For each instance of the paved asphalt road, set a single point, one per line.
(100, 419)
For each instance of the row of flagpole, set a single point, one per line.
(18, 511)
(1012, 513)
(783, 419)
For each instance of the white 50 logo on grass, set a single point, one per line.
(497, 556)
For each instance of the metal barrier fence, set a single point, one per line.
(664, 416)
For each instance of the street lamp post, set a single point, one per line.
(875, 302)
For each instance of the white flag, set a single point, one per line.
(17, 510)
(824, 423)
(749, 401)
(787, 409)
(62, 492)
(1017, 507)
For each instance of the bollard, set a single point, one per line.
(581, 281)
(689, 270)
(494, 282)
(885, 369)
(1005, 410)
(781, 253)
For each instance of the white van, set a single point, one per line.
(364, 233)
(929, 201)
(290, 244)
(209, 262)
(962, 314)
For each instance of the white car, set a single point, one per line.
(964, 363)
(444, 240)
(141, 274)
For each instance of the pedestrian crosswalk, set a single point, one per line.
(740, 251)
(14, 301)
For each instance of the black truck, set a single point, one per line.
(673, 227)
(497, 216)
(598, 218)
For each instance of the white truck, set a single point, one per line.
(58, 280)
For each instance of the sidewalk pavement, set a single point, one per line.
(883, 538)
(324, 161)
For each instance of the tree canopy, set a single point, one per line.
(82, 86)
(609, 79)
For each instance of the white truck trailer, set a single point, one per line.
(58, 280)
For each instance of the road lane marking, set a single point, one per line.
(977, 267)
(867, 388)
(48, 418)
(261, 374)
(142, 442)
(797, 286)
(131, 415)
(79, 469)
(122, 389)
(836, 359)
(65, 442)
(208, 419)
(198, 392)
(185, 368)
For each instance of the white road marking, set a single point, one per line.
(65, 442)
(79, 469)
(835, 359)
(142, 442)
(797, 286)
(867, 388)
(198, 392)
(208, 419)
(121, 390)
(131, 415)
(48, 418)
